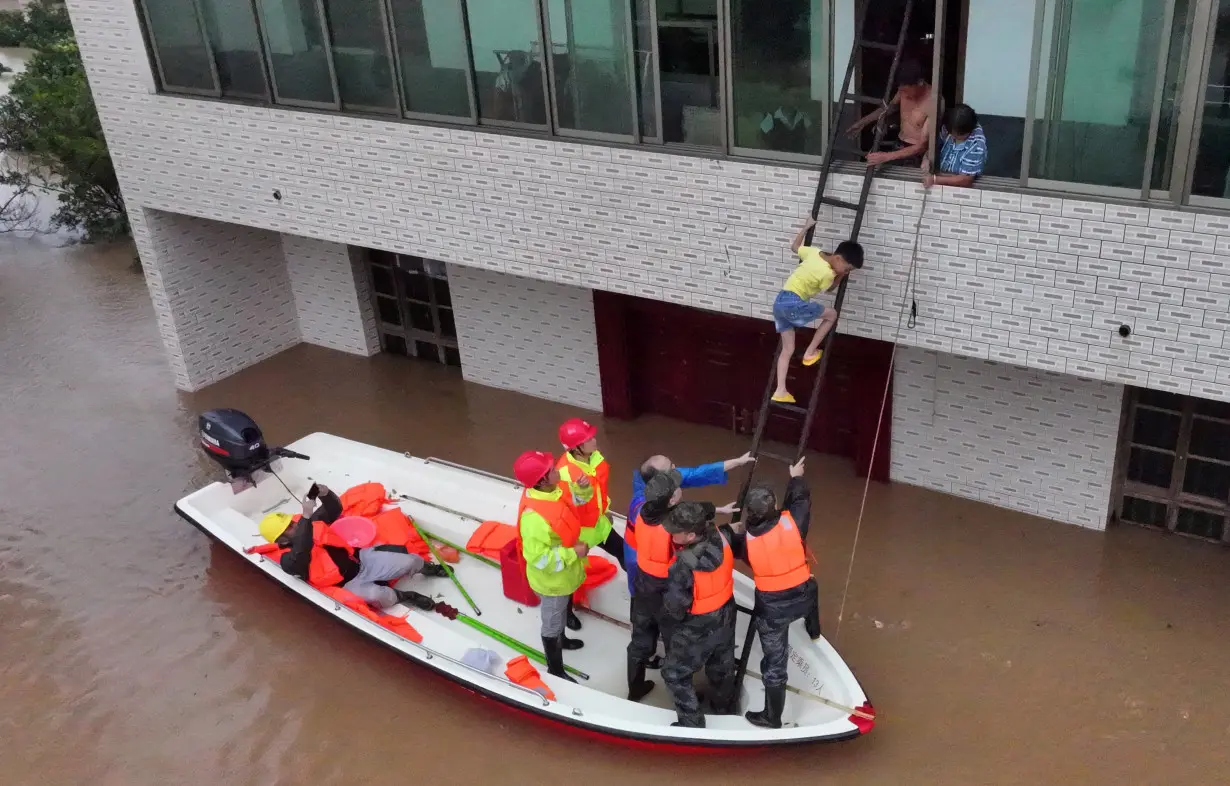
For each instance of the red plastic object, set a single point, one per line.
(512, 568)
(357, 531)
(864, 724)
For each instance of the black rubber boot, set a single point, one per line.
(573, 622)
(771, 716)
(638, 686)
(812, 622)
(555, 658)
(416, 599)
(434, 570)
(570, 644)
(654, 663)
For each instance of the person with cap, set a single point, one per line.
(308, 548)
(549, 537)
(660, 495)
(713, 474)
(588, 475)
(774, 544)
(698, 612)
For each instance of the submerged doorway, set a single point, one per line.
(1174, 464)
(414, 308)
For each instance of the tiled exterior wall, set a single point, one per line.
(220, 293)
(1039, 282)
(534, 337)
(332, 295)
(1032, 441)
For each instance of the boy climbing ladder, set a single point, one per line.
(794, 308)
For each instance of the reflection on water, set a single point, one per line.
(998, 648)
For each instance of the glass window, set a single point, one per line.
(998, 47)
(297, 51)
(361, 54)
(431, 52)
(779, 74)
(1211, 177)
(1168, 117)
(1096, 91)
(646, 62)
(179, 44)
(589, 58)
(507, 49)
(689, 69)
(231, 25)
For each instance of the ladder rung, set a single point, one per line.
(789, 407)
(839, 203)
(883, 47)
(865, 99)
(776, 457)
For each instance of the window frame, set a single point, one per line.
(267, 95)
(327, 37)
(147, 28)
(386, 28)
(471, 88)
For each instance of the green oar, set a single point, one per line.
(447, 569)
(447, 611)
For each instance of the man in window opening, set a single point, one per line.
(963, 150)
(913, 104)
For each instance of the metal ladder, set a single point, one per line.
(808, 413)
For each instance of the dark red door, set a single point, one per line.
(711, 368)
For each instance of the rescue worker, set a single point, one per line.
(698, 610)
(549, 530)
(774, 545)
(659, 496)
(713, 474)
(315, 554)
(588, 475)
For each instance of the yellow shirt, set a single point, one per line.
(812, 276)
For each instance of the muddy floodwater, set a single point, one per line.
(997, 648)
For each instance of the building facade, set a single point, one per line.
(417, 177)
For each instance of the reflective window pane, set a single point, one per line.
(1096, 91)
(179, 44)
(1150, 467)
(389, 313)
(589, 57)
(779, 75)
(361, 54)
(296, 44)
(688, 63)
(646, 67)
(431, 50)
(1156, 428)
(999, 42)
(1168, 117)
(1206, 479)
(1210, 438)
(231, 25)
(1211, 177)
(507, 48)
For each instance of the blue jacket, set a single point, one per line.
(693, 477)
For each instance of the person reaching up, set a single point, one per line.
(794, 307)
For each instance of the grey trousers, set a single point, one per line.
(377, 566)
(554, 611)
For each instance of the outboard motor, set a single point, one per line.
(235, 442)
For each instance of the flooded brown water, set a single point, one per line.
(998, 648)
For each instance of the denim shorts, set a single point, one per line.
(791, 311)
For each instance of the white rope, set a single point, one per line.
(888, 384)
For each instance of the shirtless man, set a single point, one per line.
(913, 101)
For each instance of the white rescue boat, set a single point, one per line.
(824, 701)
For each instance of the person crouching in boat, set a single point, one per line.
(774, 545)
(549, 529)
(315, 554)
(699, 611)
(661, 493)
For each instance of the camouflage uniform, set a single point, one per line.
(696, 641)
(646, 616)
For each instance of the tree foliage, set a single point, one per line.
(41, 24)
(50, 130)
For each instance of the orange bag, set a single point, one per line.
(598, 571)
(490, 538)
(522, 672)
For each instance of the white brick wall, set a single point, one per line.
(220, 293)
(1032, 441)
(534, 337)
(332, 295)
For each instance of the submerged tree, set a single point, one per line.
(50, 131)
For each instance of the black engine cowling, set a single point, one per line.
(233, 439)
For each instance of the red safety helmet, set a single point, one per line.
(532, 466)
(574, 432)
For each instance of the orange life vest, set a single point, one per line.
(778, 558)
(322, 570)
(365, 499)
(398, 625)
(601, 481)
(560, 515)
(655, 552)
(712, 590)
(522, 672)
